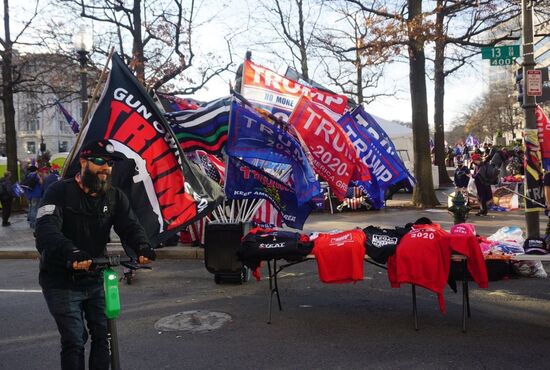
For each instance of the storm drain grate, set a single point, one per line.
(195, 321)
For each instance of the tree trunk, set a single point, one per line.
(359, 73)
(423, 193)
(137, 46)
(439, 98)
(7, 93)
(303, 50)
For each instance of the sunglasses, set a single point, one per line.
(101, 161)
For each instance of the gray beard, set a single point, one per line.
(92, 181)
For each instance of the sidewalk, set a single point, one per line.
(17, 240)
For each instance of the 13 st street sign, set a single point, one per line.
(500, 55)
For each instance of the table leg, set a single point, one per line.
(415, 313)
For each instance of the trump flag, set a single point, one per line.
(165, 191)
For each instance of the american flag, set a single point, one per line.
(211, 165)
(172, 103)
(196, 229)
(267, 216)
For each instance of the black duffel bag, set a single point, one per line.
(267, 244)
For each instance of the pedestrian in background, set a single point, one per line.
(483, 185)
(461, 176)
(466, 155)
(52, 177)
(72, 227)
(32, 183)
(6, 198)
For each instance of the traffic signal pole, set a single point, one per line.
(529, 104)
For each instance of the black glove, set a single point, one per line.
(77, 255)
(145, 250)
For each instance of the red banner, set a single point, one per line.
(334, 156)
(279, 95)
(544, 136)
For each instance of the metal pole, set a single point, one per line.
(113, 344)
(82, 58)
(529, 103)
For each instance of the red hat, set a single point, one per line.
(475, 157)
(55, 167)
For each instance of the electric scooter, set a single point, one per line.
(112, 298)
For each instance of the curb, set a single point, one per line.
(166, 253)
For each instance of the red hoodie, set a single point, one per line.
(423, 258)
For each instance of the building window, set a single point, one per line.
(31, 147)
(32, 124)
(63, 146)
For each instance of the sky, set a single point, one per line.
(461, 88)
(210, 37)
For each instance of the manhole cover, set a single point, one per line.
(193, 321)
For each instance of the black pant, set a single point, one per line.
(72, 310)
(6, 208)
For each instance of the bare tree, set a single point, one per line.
(460, 28)
(161, 34)
(416, 28)
(357, 48)
(294, 23)
(494, 112)
(11, 77)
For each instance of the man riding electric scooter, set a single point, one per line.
(74, 220)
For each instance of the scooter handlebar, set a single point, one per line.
(116, 260)
(110, 261)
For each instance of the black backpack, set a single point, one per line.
(491, 174)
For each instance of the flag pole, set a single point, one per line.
(96, 90)
(72, 154)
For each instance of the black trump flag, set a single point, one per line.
(166, 192)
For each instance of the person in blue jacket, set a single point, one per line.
(32, 183)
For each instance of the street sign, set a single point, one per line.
(534, 82)
(502, 61)
(500, 52)
(501, 55)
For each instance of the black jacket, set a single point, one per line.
(69, 219)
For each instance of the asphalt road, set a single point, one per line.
(349, 326)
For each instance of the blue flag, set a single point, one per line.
(368, 122)
(383, 167)
(257, 141)
(471, 141)
(245, 181)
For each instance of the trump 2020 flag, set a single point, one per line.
(364, 119)
(245, 181)
(253, 138)
(383, 167)
(334, 157)
(165, 191)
